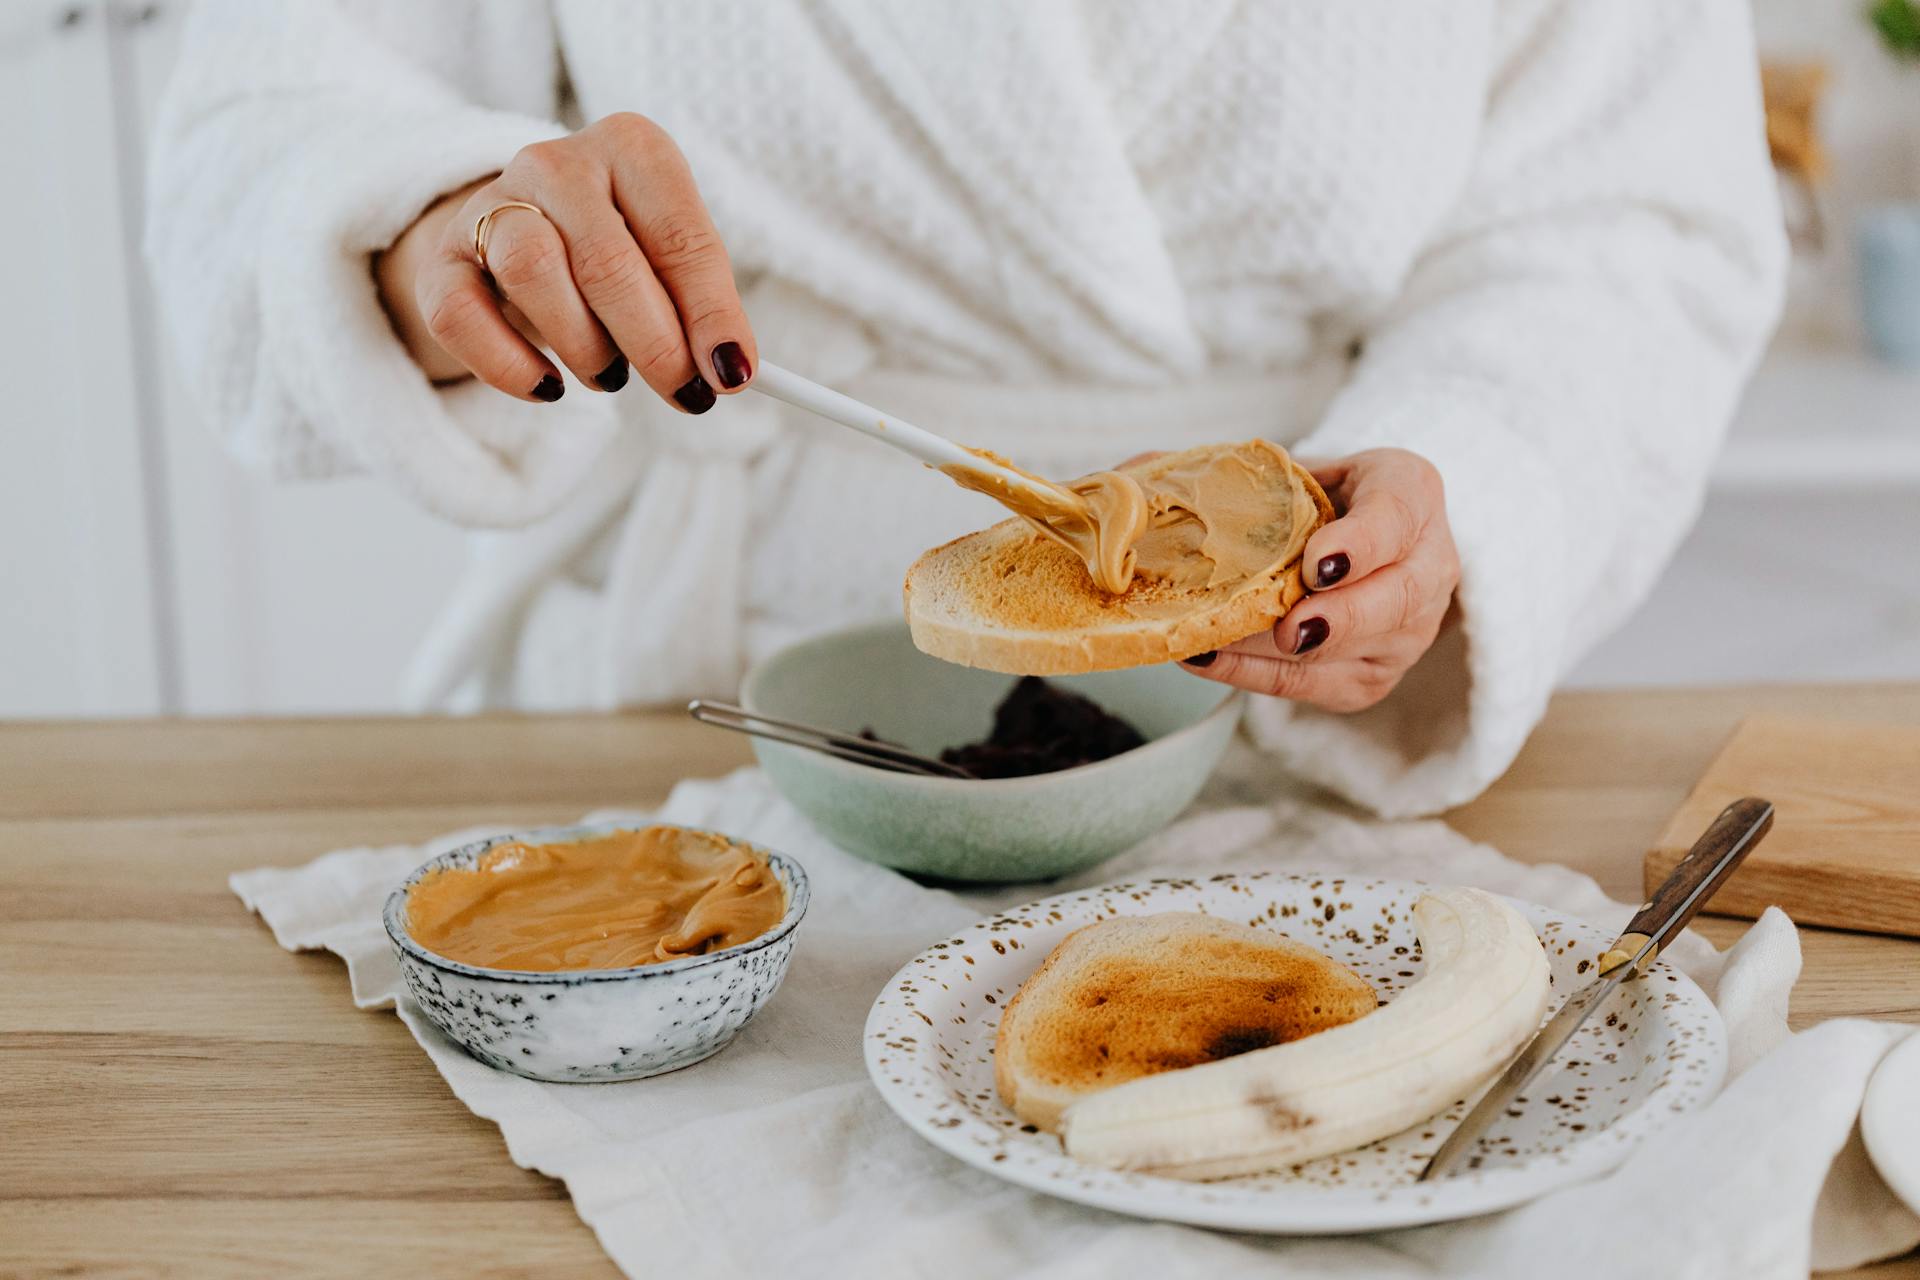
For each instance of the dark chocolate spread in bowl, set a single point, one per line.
(1038, 728)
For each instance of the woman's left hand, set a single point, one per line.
(1380, 579)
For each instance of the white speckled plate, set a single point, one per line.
(1657, 1048)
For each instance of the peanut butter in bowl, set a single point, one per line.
(616, 901)
(596, 953)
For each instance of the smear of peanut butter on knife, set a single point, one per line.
(1098, 518)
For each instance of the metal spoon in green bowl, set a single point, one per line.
(868, 751)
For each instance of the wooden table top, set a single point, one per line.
(177, 1095)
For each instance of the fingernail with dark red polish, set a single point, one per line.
(1330, 570)
(696, 396)
(1201, 659)
(730, 364)
(614, 376)
(1313, 634)
(550, 389)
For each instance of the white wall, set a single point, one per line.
(79, 575)
(144, 572)
(1869, 121)
(1806, 561)
(147, 572)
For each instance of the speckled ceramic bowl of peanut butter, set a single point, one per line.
(576, 954)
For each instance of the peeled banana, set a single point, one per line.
(1483, 994)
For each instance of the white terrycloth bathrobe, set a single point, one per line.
(1535, 242)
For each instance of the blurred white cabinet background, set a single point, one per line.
(143, 572)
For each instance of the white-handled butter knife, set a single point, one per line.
(1675, 903)
(936, 451)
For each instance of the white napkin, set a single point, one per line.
(778, 1157)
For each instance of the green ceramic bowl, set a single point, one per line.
(996, 830)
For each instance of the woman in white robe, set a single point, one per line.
(1502, 265)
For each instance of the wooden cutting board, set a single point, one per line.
(1845, 845)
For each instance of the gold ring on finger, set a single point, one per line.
(483, 227)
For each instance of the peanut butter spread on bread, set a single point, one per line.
(629, 898)
(1098, 518)
(1219, 518)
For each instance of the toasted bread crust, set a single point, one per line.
(1137, 995)
(956, 611)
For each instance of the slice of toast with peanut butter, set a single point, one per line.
(1219, 560)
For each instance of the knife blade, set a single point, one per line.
(1679, 898)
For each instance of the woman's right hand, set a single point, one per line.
(625, 267)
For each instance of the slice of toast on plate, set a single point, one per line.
(1137, 995)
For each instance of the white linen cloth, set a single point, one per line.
(1551, 223)
(777, 1157)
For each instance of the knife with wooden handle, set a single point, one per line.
(1678, 899)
